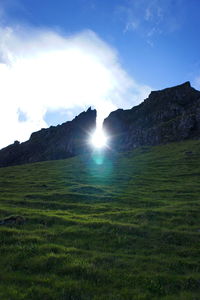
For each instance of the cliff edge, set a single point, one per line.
(168, 115)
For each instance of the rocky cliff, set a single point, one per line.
(62, 141)
(172, 114)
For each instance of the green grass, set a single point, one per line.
(128, 228)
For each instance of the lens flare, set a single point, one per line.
(99, 139)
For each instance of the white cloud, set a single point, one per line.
(41, 70)
(150, 18)
(131, 26)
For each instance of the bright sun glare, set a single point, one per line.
(99, 139)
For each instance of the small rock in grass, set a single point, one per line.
(18, 220)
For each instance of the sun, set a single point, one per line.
(99, 139)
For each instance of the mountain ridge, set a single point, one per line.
(168, 115)
(55, 142)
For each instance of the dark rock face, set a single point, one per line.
(62, 141)
(172, 114)
(169, 115)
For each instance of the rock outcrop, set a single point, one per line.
(169, 115)
(62, 141)
(172, 114)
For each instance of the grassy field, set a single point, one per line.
(121, 227)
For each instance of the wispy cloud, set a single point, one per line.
(42, 70)
(150, 18)
(196, 82)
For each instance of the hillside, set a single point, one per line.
(90, 227)
(56, 142)
(169, 115)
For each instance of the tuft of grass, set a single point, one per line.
(117, 227)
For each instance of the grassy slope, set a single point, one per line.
(126, 229)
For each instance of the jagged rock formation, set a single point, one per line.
(62, 141)
(172, 114)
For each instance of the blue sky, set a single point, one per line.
(134, 45)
